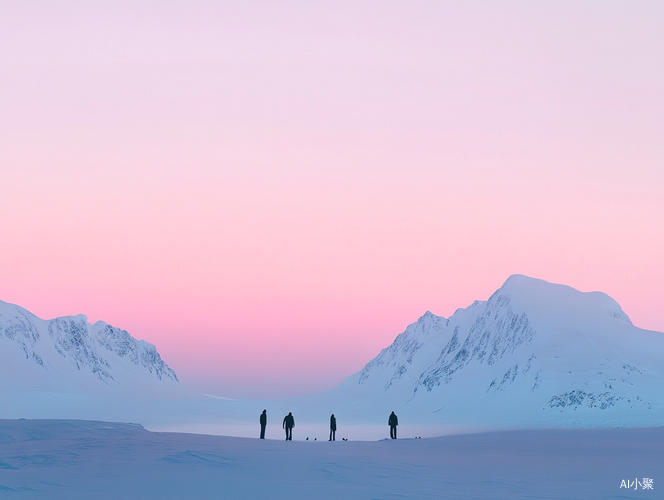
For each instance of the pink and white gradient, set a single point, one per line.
(271, 192)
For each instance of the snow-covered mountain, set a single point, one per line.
(69, 354)
(534, 354)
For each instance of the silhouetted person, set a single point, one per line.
(333, 428)
(263, 423)
(289, 423)
(393, 421)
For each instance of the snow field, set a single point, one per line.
(51, 459)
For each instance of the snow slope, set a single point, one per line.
(535, 354)
(51, 459)
(70, 354)
(68, 368)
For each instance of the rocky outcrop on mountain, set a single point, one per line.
(71, 350)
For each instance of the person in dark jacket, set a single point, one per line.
(289, 423)
(393, 421)
(263, 423)
(333, 427)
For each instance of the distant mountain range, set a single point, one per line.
(535, 354)
(70, 354)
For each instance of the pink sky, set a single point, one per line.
(270, 193)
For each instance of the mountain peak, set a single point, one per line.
(427, 316)
(534, 353)
(537, 294)
(521, 283)
(522, 278)
(70, 352)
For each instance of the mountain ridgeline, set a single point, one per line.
(70, 354)
(534, 354)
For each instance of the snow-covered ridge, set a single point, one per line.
(496, 333)
(69, 349)
(533, 354)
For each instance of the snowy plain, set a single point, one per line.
(75, 459)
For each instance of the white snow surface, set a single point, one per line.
(59, 459)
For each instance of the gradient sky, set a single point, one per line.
(270, 192)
